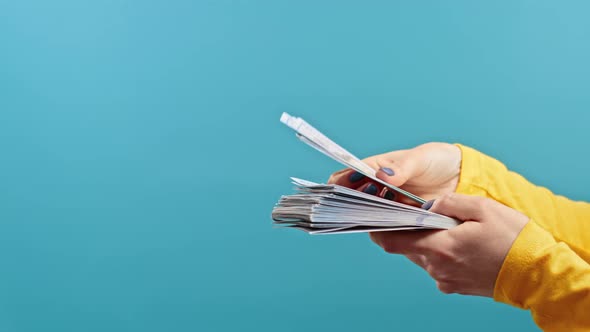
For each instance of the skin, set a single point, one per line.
(429, 171)
(465, 259)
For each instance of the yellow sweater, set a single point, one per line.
(547, 270)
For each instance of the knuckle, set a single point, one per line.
(384, 161)
(447, 247)
(444, 201)
(443, 255)
(417, 259)
(450, 196)
(485, 205)
(436, 273)
(483, 202)
(391, 247)
(430, 270)
(445, 287)
(372, 161)
(336, 176)
(331, 179)
(453, 247)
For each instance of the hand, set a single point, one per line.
(465, 259)
(429, 170)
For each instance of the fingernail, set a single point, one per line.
(428, 205)
(388, 171)
(371, 189)
(389, 195)
(355, 177)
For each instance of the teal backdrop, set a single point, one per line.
(141, 152)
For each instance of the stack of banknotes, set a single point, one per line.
(332, 209)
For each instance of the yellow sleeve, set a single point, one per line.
(568, 221)
(548, 278)
(547, 268)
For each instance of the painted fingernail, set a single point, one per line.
(371, 189)
(388, 171)
(355, 177)
(428, 205)
(389, 195)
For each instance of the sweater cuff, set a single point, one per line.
(515, 282)
(472, 179)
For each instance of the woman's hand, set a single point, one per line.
(465, 259)
(429, 170)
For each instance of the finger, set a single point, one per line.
(406, 200)
(394, 168)
(417, 259)
(348, 178)
(410, 242)
(463, 207)
(393, 196)
(334, 177)
(369, 188)
(387, 194)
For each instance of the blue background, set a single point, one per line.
(141, 152)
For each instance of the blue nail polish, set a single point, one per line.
(355, 177)
(388, 171)
(389, 195)
(428, 205)
(371, 189)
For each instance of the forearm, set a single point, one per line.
(566, 220)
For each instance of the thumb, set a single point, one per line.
(395, 168)
(463, 207)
